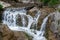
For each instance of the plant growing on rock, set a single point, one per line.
(1, 7)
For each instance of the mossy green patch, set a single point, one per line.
(1, 7)
(29, 37)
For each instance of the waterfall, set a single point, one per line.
(40, 33)
(10, 18)
(10, 15)
(42, 30)
(36, 17)
(30, 21)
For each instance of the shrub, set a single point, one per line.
(45, 2)
(53, 3)
(50, 3)
(1, 7)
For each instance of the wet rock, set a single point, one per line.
(44, 12)
(20, 21)
(47, 9)
(33, 13)
(33, 9)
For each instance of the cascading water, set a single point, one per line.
(40, 33)
(30, 21)
(42, 30)
(10, 17)
(36, 17)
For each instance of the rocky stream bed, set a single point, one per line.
(52, 32)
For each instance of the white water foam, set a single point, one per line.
(10, 19)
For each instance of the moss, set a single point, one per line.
(53, 3)
(29, 37)
(58, 9)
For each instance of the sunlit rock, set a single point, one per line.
(4, 4)
(33, 9)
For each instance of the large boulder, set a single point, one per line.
(7, 34)
(54, 27)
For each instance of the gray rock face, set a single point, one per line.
(59, 6)
(55, 25)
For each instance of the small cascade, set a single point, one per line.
(42, 30)
(10, 18)
(40, 33)
(30, 21)
(36, 17)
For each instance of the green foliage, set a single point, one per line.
(53, 3)
(58, 9)
(50, 3)
(29, 37)
(1, 7)
(45, 2)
